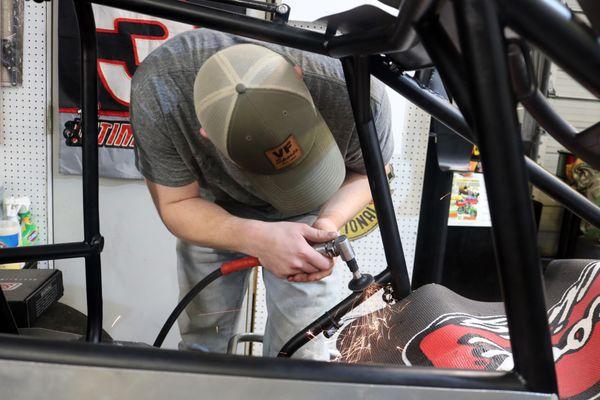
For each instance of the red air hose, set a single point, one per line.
(239, 264)
(225, 269)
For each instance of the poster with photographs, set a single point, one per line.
(468, 202)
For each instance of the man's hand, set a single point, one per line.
(323, 224)
(284, 249)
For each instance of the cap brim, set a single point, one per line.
(309, 184)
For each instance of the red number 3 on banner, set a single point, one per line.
(123, 46)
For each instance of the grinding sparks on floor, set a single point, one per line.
(217, 312)
(365, 333)
(115, 321)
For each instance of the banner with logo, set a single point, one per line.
(124, 39)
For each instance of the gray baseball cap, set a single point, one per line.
(259, 114)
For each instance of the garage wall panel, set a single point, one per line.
(580, 113)
(565, 87)
(24, 136)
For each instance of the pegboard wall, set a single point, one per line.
(409, 167)
(24, 139)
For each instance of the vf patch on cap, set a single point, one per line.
(285, 154)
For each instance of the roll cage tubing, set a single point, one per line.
(489, 121)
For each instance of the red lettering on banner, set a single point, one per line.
(104, 127)
(124, 135)
(131, 143)
(113, 134)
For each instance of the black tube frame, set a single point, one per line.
(386, 71)
(526, 90)
(568, 43)
(513, 225)
(252, 4)
(143, 358)
(357, 74)
(531, 18)
(358, 82)
(432, 231)
(331, 319)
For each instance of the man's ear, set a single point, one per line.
(203, 133)
(299, 72)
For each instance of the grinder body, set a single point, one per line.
(341, 247)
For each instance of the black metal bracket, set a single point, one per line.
(279, 12)
(282, 13)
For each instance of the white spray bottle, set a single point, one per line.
(10, 228)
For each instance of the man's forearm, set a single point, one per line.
(204, 223)
(352, 196)
(281, 247)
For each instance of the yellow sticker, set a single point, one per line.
(363, 223)
(284, 154)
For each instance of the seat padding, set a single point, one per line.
(437, 327)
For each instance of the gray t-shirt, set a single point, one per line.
(171, 152)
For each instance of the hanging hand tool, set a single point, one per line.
(11, 45)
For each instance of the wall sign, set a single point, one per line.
(468, 202)
(124, 40)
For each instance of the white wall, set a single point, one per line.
(138, 261)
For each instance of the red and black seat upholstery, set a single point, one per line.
(438, 328)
